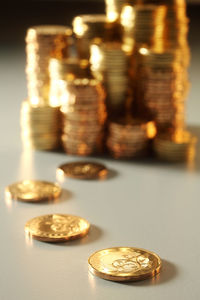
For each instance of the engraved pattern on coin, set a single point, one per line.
(124, 264)
(129, 263)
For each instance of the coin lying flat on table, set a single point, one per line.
(84, 170)
(124, 264)
(33, 191)
(57, 228)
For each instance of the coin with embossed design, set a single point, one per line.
(84, 170)
(124, 264)
(33, 191)
(57, 228)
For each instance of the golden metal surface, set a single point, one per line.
(40, 126)
(33, 191)
(57, 228)
(124, 264)
(84, 170)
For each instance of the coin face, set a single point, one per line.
(124, 264)
(84, 170)
(33, 191)
(57, 228)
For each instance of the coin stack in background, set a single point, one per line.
(163, 89)
(138, 54)
(130, 137)
(109, 63)
(40, 114)
(42, 43)
(86, 29)
(83, 117)
(40, 126)
(63, 70)
(177, 146)
(143, 25)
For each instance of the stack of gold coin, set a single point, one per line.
(143, 25)
(175, 27)
(42, 43)
(63, 70)
(110, 63)
(163, 88)
(177, 146)
(86, 29)
(40, 126)
(129, 138)
(84, 115)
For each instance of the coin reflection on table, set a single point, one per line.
(124, 264)
(33, 191)
(83, 170)
(57, 228)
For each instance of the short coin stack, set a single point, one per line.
(83, 116)
(86, 29)
(163, 88)
(129, 138)
(40, 126)
(112, 63)
(42, 43)
(175, 147)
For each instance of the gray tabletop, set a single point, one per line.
(144, 204)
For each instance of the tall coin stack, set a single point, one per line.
(163, 89)
(83, 117)
(110, 63)
(129, 137)
(42, 43)
(40, 115)
(86, 29)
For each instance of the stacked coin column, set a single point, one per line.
(110, 63)
(42, 43)
(40, 115)
(84, 116)
(143, 27)
(86, 29)
(163, 87)
(63, 70)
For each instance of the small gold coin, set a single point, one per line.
(33, 191)
(124, 264)
(84, 170)
(57, 228)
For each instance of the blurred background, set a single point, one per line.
(17, 16)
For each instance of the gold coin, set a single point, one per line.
(124, 264)
(84, 170)
(57, 228)
(33, 191)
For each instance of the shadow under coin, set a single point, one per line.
(111, 174)
(65, 196)
(94, 234)
(168, 272)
